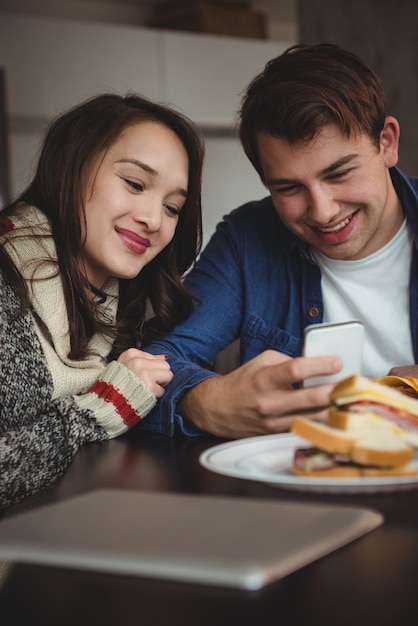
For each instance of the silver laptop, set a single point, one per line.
(217, 540)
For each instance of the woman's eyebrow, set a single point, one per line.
(141, 164)
(147, 168)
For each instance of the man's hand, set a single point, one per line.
(261, 397)
(405, 370)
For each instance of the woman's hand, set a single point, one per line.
(153, 370)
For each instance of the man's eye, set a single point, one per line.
(337, 175)
(286, 191)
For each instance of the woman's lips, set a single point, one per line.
(338, 232)
(133, 241)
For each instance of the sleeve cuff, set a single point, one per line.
(118, 399)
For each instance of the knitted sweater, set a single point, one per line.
(50, 405)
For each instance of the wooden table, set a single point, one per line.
(372, 581)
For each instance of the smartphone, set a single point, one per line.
(344, 339)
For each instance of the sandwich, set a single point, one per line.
(372, 429)
(405, 384)
(391, 398)
(366, 450)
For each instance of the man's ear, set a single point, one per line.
(389, 141)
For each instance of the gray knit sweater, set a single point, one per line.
(51, 405)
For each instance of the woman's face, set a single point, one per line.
(134, 197)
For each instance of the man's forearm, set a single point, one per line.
(213, 407)
(193, 406)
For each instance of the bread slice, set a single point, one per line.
(324, 436)
(402, 470)
(404, 384)
(357, 471)
(381, 449)
(354, 421)
(362, 389)
(338, 471)
(367, 448)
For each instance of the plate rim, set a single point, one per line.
(301, 483)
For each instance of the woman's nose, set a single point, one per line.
(150, 214)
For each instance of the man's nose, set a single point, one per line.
(322, 206)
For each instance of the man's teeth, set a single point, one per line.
(335, 228)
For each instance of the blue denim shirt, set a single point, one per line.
(255, 281)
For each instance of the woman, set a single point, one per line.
(91, 258)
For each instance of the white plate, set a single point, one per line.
(269, 459)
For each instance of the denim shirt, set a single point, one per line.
(254, 281)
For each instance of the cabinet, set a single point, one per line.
(205, 75)
(52, 64)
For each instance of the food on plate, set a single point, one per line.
(371, 430)
(405, 384)
(368, 451)
(385, 400)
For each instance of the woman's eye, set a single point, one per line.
(172, 209)
(134, 185)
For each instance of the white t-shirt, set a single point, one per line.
(374, 290)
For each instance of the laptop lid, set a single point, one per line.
(226, 541)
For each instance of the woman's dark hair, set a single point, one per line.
(307, 88)
(71, 147)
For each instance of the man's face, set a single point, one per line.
(335, 192)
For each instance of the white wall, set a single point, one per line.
(52, 63)
(229, 180)
(282, 18)
(23, 148)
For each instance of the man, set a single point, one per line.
(335, 240)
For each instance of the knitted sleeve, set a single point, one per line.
(118, 399)
(39, 435)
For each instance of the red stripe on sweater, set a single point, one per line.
(6, 225)
(109, 393)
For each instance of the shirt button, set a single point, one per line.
(313, 311)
